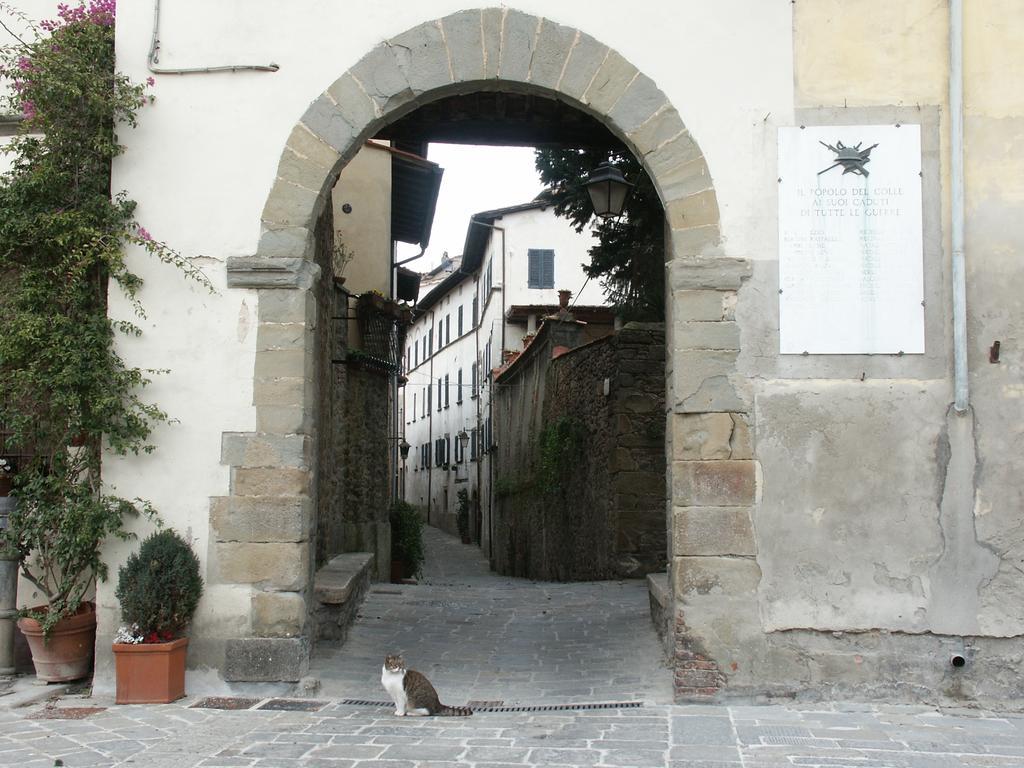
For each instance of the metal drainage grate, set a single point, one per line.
(366, 703)
(525, 708)
(563, 707)
(225, 702)
(294, 705)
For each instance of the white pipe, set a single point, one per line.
(154, 57)
(956, 139)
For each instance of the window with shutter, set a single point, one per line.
(458, 388)
(473, 449)
(541, 268)
(460, 322)
(440, 393)
(448, 329)
(447, 392)
(473, 381)
(476, 310)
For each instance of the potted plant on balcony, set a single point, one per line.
(159, 589)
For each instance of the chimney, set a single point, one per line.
(563, 299)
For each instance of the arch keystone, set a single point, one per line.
(519, 35)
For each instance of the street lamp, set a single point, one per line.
(463, 437)
(403, 449)
(608, 189)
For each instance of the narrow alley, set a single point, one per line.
(486, 638)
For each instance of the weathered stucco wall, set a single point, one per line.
(877, 511)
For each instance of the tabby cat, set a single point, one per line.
(412, 692)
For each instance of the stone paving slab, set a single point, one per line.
(343, 736)
(481, 636)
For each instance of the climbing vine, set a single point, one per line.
(560, 452)
(62, 238)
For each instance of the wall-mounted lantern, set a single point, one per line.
(608, 189)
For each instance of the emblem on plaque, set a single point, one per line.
(852, 159)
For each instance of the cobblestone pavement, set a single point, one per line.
(516, 643)
(483, 637)
(341, 736)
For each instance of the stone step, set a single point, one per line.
(338, 589)
(661, 605)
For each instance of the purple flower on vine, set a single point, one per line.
(150, 81)
(29, 108)
(145, 235)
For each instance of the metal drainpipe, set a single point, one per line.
(154, 57)
(961, 401)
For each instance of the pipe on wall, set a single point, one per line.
(154, 57)
(961, 395)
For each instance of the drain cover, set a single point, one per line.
(498, 706)
(366, 703)
(294, 705)
(225, 702)
(562, 707)
(67, 713)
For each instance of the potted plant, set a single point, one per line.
(158, 589)
(463, 515)
(66, 396)
(342, 255)
(406, 541)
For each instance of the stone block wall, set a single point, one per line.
(580, 470)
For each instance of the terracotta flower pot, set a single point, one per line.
(150, 673)
(67, 653)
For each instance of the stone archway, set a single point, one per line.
(712, 473)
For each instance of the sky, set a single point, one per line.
(476, 178)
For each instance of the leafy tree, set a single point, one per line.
(629, 258)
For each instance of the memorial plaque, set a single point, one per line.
(850, 249)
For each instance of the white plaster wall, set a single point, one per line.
(540, 228)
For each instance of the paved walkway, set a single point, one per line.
(483, 637)
(494, 639)
(341, 736)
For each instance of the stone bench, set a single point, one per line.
(338, 590)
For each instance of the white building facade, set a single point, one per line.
(841, 523)
(516, 260)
